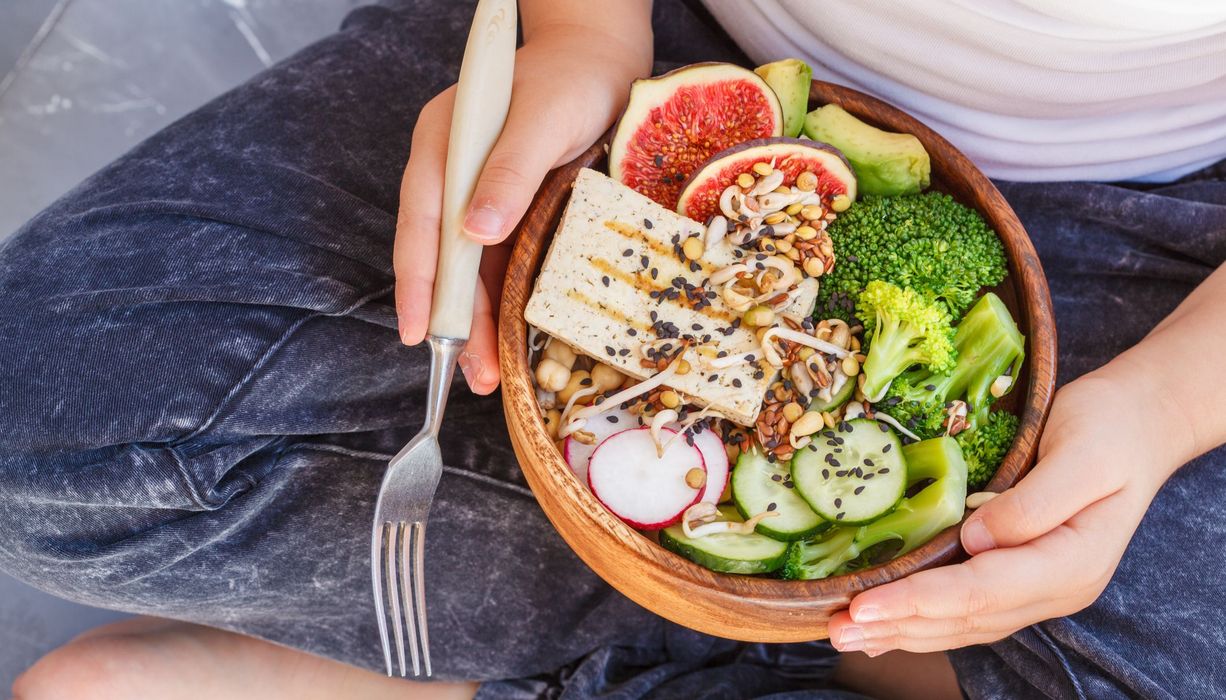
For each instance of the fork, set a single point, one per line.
(398, 533)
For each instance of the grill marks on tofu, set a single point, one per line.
(607, 274)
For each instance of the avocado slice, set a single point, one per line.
(790, 80)
(886, 163)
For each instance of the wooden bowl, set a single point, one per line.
(745, 607)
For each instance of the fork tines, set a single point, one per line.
(397, 555)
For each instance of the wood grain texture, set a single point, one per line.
(742, 607)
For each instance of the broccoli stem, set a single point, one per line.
(988, 345)
(915, 521)
(892, 352)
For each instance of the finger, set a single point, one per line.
(479, 361)
(415, 252)
(995, 581)
(523, 155)
(929, 644)
(847, 635)
(1059, 487)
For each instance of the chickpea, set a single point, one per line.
(561, 353)
(553, 421)
(552, 375)
(605, 377)
(580, 379)
(758, 317)
(670, 399)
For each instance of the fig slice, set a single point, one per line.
(700, 196)
(673, 123)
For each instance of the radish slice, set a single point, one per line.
(646, 491)
(578, 454)
(716, 459)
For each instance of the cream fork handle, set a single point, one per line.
(483, 97)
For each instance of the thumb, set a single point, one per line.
(1059, 487)
(514, 170)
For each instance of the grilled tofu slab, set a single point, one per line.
(614, 278)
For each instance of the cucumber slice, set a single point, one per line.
(760, 485)
(853, 474)
(840, 397)
(727, 552)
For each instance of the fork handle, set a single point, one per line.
(483, 98)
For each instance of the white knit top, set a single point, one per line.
(1029, 89)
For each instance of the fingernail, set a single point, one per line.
(483, 224)
(851, 639)
(470, 365)
(976, 538)
(868, 613)
(870, 653)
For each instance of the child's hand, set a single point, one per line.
(570, 84)
(1047, 547)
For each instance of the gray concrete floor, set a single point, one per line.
(82, 81)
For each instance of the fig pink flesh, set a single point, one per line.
(646, 491)
(673, 123)
(700, 197)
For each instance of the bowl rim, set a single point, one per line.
(667, 583)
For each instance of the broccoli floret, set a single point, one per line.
(985, 447)
(927, 242)
(902, 329)
(987, 344)
(915, 521)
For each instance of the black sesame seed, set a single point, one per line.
(839, 516)
(884, 428)
(859, 490)
(627, 252)
(611, 419)
(736, 383)
(838, 503)
(930, 387)
(647, 224)
(631, 332)
(609, 349)
(771, 506)
(884, 470)
(886, 448)
(712, 377)
(605, 280)
(868, 462)
(825, 473)
(776, 477)
(645, 261)
(586, 381)
(659, 160)
(623, 352)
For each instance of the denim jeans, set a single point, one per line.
(201, 384)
